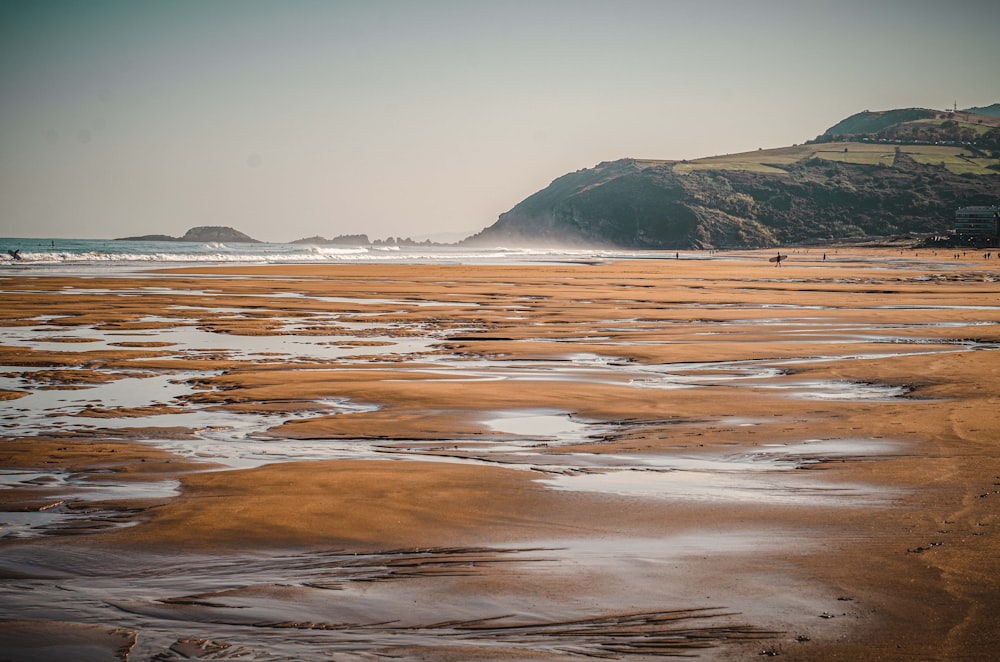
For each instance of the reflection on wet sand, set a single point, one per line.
(334, 603)
(631, 459)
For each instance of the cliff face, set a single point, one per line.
(617, 204)
(757, 200)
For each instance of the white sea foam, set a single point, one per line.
(47, 253)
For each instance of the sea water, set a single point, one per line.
(42, 252)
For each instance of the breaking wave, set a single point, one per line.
(77, 252)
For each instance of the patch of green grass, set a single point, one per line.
(772, 160)
(884, 154)
(957, 164)
(958, 160)
(860, 153)
(978, 128)
(763, 160)
(945, 152)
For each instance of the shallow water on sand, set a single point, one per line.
(355, 605)
(156, 400)
(360, 606)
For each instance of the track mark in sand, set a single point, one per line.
(650, 633)
(234, 611)
(670, 633)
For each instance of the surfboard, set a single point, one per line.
(778, 258)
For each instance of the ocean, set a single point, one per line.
(48, 253)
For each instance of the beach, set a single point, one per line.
(613, 458)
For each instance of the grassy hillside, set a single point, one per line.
(872, 174)
(993, 109)
(796, 194)
(956, 159)
(967, 129)
(874, 121)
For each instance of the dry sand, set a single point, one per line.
(903, 565)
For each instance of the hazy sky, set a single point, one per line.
(406, 118)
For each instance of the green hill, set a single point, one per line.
(825, 190)
(922, 126)
(992, 110)
(868, 122)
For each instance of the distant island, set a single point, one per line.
(217, 233)
(363, 240)
(201, 234)
(341, 240)
(874, 174)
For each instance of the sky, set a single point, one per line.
(408, 118)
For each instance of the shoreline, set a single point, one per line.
(809, 447)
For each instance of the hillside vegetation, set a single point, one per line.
(992, 109)
(865, 185)
(980, 132)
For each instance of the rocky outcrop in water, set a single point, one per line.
(202, 234)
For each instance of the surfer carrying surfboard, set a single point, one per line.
(777, 259)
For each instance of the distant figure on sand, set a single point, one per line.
(777, 259)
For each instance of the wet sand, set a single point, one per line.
(716, 458)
